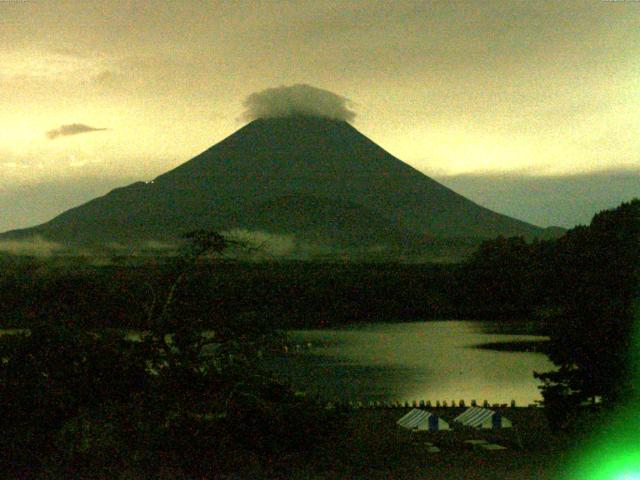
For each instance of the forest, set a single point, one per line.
(281, 293)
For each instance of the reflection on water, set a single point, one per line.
(413, 361)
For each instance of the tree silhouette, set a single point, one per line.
(597, 270)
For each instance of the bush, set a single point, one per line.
(48, 375)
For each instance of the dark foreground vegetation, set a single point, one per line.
(78, 400)
(82, 402)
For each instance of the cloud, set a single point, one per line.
(105, 77)
(72, 129)
(268, 243)
(158, 245)
(300, 99)
(36, 246)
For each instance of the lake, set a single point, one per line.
(435, 360)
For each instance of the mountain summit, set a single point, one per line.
(316, 179)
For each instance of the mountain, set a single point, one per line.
(317, 179)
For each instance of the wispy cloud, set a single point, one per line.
(33, 246)
(72, 129)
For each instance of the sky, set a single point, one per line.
(531, 108)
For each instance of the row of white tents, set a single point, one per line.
(475, 417)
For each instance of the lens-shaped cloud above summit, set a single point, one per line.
(299, 99)
(72, 129)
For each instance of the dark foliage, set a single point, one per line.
(174, 401)
(50, 375)
(598, 284)
(283, 294)
(583, 286)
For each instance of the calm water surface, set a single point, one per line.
(413, 361)
(434, 361)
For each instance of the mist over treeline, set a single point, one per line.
(253, 246)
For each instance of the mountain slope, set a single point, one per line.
(297, 175)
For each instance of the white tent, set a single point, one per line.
(422, 420)
(477, 417)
